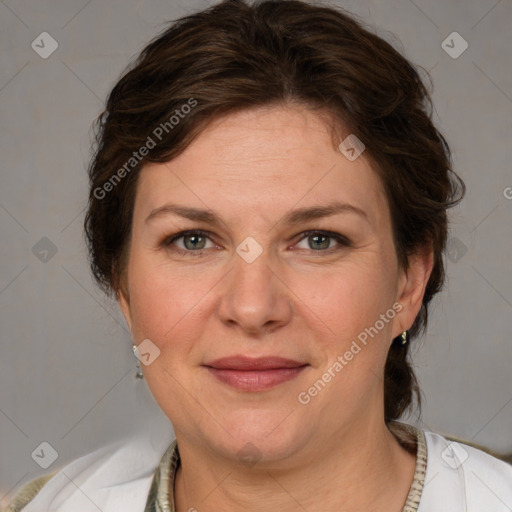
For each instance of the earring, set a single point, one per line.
(405, 337)
(138, 374)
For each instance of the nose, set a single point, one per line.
(254, 298)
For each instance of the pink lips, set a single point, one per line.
(254, 374)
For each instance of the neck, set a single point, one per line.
(357, 470)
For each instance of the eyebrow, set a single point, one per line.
(294, 217)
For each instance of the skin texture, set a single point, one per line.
(300, 300)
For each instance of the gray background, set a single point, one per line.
(68, 374)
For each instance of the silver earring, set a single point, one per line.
(138, 374)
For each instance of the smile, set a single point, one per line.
(260, 374)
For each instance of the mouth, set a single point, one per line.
(254, 374)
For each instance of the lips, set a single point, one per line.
(254, 374)
(259, 363)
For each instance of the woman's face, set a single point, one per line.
(254, 284)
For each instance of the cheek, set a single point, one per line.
(166, 303)
(346, 306)
(349, 304)
(347, 299)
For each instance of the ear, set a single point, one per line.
(123, 299)
(411, 288)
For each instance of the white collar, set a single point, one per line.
(460, 478)
(114, 478)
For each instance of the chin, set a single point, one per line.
(261, 436)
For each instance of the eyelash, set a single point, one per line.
(342, 240)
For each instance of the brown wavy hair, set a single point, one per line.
(235, 56)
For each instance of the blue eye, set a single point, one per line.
(195, 242)
(321, 240)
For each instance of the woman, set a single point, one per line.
(268, 204)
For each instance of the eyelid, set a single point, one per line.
(342, 240)
(169, 240)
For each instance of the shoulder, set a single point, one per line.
(48, 488)
(466, 477)
(115, 477)
(28, 492)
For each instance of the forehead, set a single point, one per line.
(262, 161)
